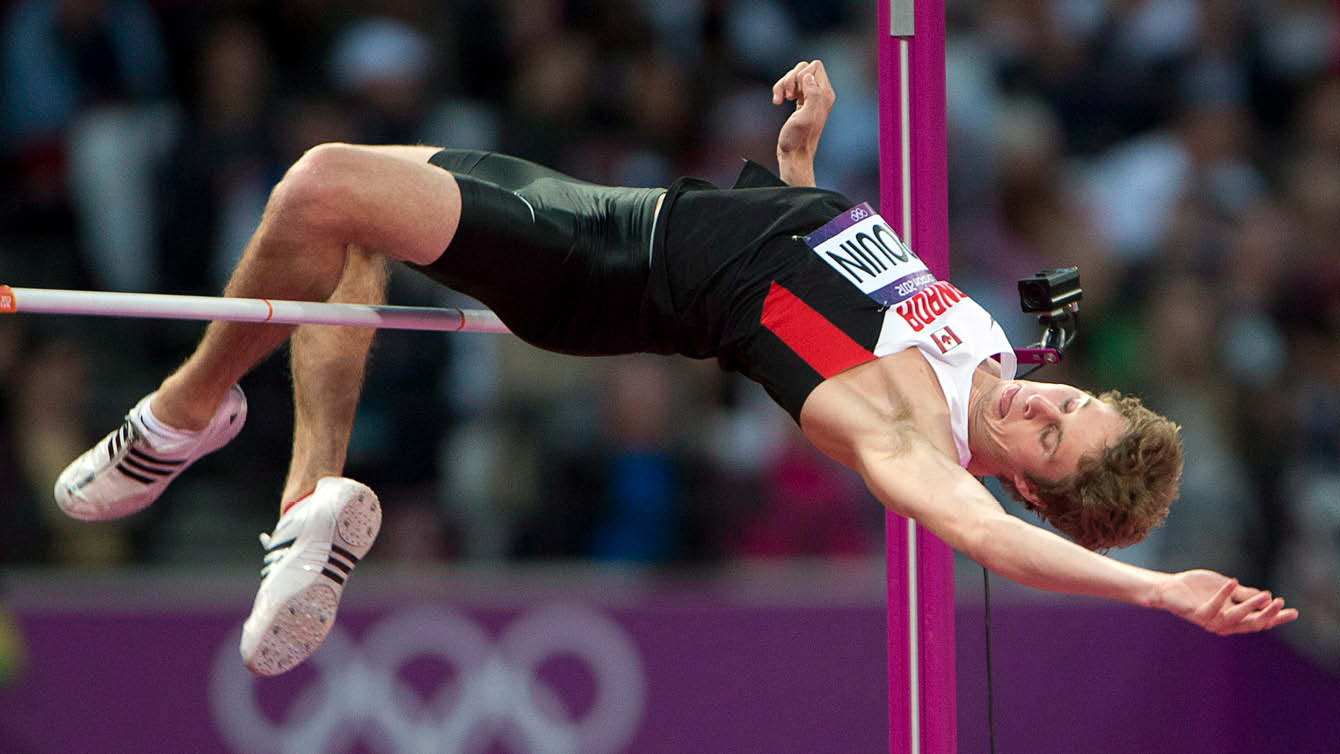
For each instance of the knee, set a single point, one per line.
(319, 190)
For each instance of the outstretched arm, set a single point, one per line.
(912, 478)
(807, 84)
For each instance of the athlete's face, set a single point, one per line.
(1044, 428)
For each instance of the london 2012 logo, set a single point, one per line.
(494, 692)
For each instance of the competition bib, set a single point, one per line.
(861, 247)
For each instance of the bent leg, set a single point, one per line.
(334, 197)
(328, 363)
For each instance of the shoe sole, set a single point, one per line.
(302, 622)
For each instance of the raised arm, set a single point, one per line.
(914, 479)
(807, 84)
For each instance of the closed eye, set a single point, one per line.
(1054, 430)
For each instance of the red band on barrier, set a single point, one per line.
(8, 304)
(269, 310)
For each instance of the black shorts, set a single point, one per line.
(561, 261)
(576, 277)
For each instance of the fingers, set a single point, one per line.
(805, 77)
(1273, 615)
(1266, 618)
(1258, 620)
(1216, 604)
(1238, 612)
(1259, 613)
(818, 75)
(785, 88)
(1243, 593)
(1213, 617)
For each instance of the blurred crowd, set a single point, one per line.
(1185, 154)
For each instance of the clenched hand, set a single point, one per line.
(807, 85)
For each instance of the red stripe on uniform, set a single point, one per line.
(819, 342)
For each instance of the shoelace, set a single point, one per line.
(273, 553)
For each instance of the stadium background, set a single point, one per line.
(1184, 153)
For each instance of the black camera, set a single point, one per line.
(1054, 296)
(1050, 291)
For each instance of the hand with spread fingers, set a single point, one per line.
(1220, 604)
(807, 85)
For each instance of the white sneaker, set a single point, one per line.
(129, 468)
(314, 547)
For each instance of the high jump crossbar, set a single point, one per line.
(259, 310)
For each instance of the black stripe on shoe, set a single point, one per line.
(349, 556)
(281, 545)
(144, 479)
(145, 467)
(119, 438)
(337, 578)
(134, 451)
(340, 564)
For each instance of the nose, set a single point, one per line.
(1040, 406)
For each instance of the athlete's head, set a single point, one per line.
(1101, 469)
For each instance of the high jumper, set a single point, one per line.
(896, 375)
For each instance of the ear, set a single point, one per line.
(1027, 491)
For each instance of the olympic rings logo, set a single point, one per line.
(859, 213)
(495, 692)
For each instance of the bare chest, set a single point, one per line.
(862, 402)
